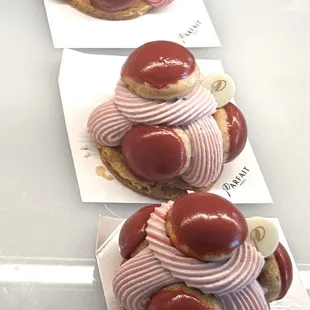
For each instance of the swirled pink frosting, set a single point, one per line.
(250, 298)
(106, 125)
(159, 3)
(218, 278)
(207, 152)
(140, 278)
(110, 121)
(183, 111)
(160, 264)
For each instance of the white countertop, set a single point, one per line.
(266, 48)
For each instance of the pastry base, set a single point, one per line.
(169, 190)
(139, 8)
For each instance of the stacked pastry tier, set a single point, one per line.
(176, 128)
(117, 9)
(193, 254)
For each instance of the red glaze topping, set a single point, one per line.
(285, 267)
(237, 129)
(175, 300)
(208, 224)
(111, 5)
(153, 153)
(159, 63)
(133, 231)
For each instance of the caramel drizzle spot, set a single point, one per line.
(104, 173)
(258, 234)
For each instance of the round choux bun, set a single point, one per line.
(206, 226)
(277, 274)
(132, 234)
(233, 126)
(129, 9)
(169, 190)
(156, 153)
(161, 70)
(179, 296)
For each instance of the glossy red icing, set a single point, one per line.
(133, 231)
(237, 129)
(286, 269)
(175, 300)
(111, 5)
(153, 153)
(208, 224)
(159, 63)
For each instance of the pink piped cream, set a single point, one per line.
(109, 122)
(160, 264)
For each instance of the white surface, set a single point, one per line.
(266, 47)
(86, 81)
(109, 259)
(73, 29)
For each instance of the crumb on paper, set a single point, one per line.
(84, 147)
(87, 154)
(104, 173)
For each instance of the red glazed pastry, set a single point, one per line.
(160, 276)
(180, 297)
(277, 274)
(156, 153)
(166, 131)
(133, 232)
(234, 130)
(195, 216)
(161, 70)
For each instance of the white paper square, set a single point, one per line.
(86, 81)
(73, 29)
(108, 259)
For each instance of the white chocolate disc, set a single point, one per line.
(221, 85)
(263, 235)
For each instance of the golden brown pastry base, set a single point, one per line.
(139, 8)
(112, 158)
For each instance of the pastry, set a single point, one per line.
(179, 296)
(160, 274)
(277, 274)
(117, 9)
(133, 233)
(231, 228)
(235, 133)
(164, 133)
(151, 74)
